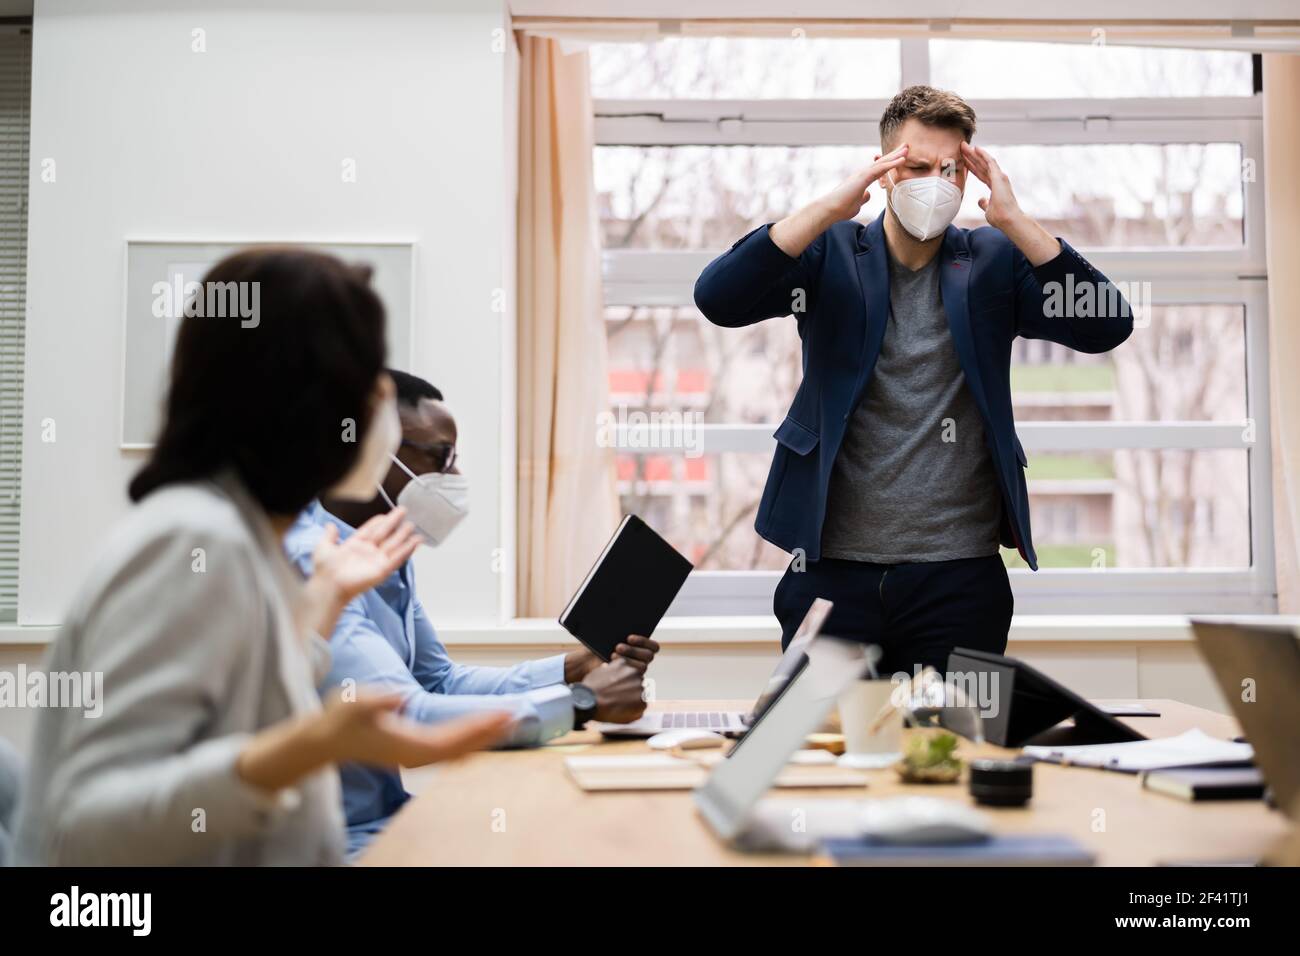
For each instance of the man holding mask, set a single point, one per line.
(897, 471)
(385, 638)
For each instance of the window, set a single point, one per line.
(15, 126)
(748, 68)
(706, 197)
(1061, 71)
(1148, 466)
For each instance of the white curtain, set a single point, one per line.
(567, 497)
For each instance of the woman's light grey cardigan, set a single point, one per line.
(187, 614)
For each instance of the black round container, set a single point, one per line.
(1001, 783)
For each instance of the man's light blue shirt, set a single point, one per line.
(384, 638)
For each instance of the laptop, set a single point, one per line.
(730, 800)
(1258, 669)
(1028, 707)
(732, 723)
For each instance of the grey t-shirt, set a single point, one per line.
(913, 481)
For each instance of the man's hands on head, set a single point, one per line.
(1003, 212)
(1000, 207)
(847, 199)
(795, 232)
(636, 650)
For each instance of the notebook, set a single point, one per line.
(1194, 748)
(628, 590)
(1207, 783)
(1010, 849)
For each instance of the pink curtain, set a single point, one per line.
(567, 497)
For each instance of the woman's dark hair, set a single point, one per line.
(269, 395)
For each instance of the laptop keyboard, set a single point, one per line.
(705, 720)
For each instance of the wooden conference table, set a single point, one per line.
(509, 808)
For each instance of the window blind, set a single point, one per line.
(15, 128)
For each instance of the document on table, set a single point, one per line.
(1191, 749)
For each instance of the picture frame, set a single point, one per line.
(147, 337)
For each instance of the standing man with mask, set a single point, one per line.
(385, 638)
(897, 470)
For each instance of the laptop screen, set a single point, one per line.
(793, 660)
(735, 785)
(1263, 660)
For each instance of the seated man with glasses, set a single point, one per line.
(385, 638)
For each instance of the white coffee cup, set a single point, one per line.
(860, 705)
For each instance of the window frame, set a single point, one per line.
(1235, 275)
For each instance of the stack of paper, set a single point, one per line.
(1192, 749)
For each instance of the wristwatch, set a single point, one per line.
(584, 704)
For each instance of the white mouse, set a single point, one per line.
(923, 821)
(687, 739)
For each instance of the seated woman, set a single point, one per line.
(213, 746)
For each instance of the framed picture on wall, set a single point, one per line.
(157, 275)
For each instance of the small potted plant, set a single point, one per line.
(930, 758)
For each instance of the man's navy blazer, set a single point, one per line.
(838, 292)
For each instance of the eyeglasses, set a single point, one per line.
(442, 453)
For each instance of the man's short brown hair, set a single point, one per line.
(932, 107)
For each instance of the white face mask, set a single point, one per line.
(925, 206)
(377, 447)
(435, 503)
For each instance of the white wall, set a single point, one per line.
(246, 141)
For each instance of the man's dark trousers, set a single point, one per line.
(915, 613)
